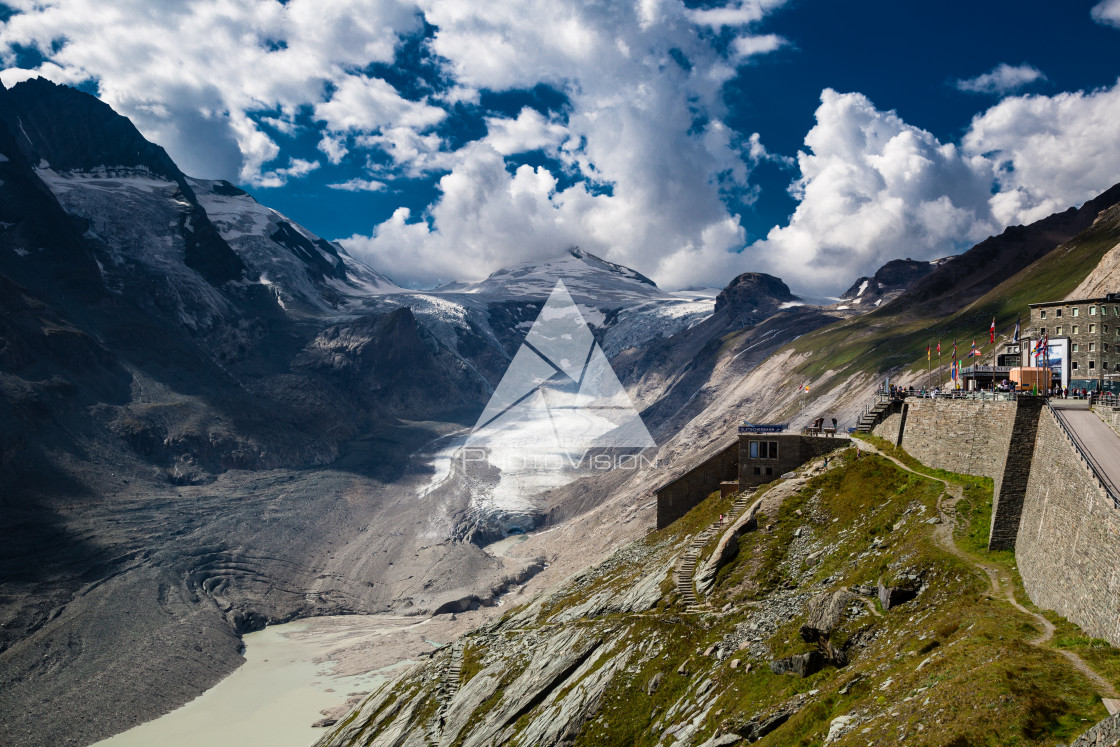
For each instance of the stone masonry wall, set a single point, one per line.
(1068, 546)
(1065, 527)
(1110, 415)
(1105, 734)
(678, 497)
(967, 436)
(888, 427)
(794, 450)
(1011, 491)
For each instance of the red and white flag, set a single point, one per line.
(992, 331)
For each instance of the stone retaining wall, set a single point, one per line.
(1104, 734)
(1049, 506)
(1068, 544)
(1110, 415)
(1011, 490)
(677, 498)
(967, 436)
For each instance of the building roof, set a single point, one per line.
(1109, 298)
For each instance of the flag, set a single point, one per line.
(992, 331)
(804, 388)
(974, 352)
(1039, 346)
(1017, 320)
(927, 352)
(939, 348)
(954, 349)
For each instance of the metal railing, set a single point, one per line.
(981, 395)
(1087, 456)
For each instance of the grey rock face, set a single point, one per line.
(825, 612)
(802, 665)
(892, 596)
(754, 295)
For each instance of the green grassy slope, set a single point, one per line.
(954, 666)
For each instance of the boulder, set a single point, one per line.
(892, 596)
(653, 684)
(839, 727)
(802, 665)
(825, 612)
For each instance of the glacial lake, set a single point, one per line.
(274, 697)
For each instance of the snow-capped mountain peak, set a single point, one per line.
(589, 279)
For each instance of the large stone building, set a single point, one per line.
(1092, 328)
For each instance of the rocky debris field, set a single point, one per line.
(838, 621)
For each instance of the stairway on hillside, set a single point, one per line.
(448, 686)
(687, 568)
(871, 418)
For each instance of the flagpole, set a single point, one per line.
(929, 373)
(939, 379)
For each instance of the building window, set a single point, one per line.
(769, 470)
(1075, 310)
(1043, 331)
(1092, 328)
(1092, 365)
(763, 450)
(1073, 348)
(1073, 365)
(1076, 329)
(1043, 314)
(1092, 346)
(1104, 328)
(1057, 330)
(758, 470)
(1104, 347)
(1092, 311)
(1104, 365)
(1057, 312)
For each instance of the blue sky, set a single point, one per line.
(442, 139)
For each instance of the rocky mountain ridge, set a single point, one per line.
(836, 614)
(888, 282)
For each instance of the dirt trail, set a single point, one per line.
(1000, 580)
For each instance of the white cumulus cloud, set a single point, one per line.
(1049, 152)
(529, 131)
(751, 46)
(358, 185)
(640, 163)
(1003, 78)
(1107, 12)
(649, 181)
(873, 188)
